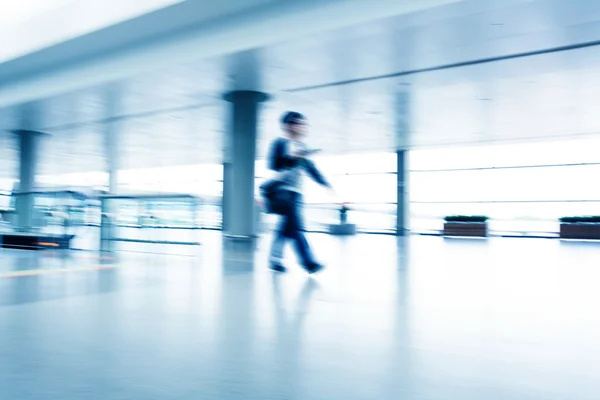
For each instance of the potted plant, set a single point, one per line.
(344, 214)
(466, 225)
(343, 227)
(582, 227)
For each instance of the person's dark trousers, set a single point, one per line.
(292, 227)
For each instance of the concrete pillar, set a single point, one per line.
(402, 205)
(112, 156)
(227, 193)
(112, 137)
(239, 206)
(402, 142)
(29, 137)
(28, 164)
(108, 206)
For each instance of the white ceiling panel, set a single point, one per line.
(348, 83)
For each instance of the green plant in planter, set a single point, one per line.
(344, 213)
(585, 219)
(466, 218)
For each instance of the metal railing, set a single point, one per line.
(148, 221)
(507, 217)
(46, 229)
(368, 217)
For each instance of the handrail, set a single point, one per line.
(157, 195)
(491, 218)
(361, 207)
(149, 196)
(259, 177)
(504, 201)
(505, 167)
(382, 203)
(47, 192)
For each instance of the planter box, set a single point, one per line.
(468, 229)
(32, 241)
(342, 229)
(580, 231)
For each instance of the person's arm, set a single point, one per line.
(318, 177)
(315, 174)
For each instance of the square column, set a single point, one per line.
(28, 165)
(108, 206)
(402, 204)
(112, 135)
(227, 194)
(402, 108)
(239, 204)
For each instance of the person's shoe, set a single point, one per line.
(277, 267)
(314, 268)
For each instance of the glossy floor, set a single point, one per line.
(391, 318)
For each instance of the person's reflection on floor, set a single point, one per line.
(289, 323)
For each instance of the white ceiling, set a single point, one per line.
(373, 87)
(183, 33)
(15, 12)
(28, 26)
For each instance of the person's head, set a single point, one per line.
(294, 124)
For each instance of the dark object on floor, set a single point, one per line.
(35, 241)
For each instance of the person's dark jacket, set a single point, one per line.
(280, 159)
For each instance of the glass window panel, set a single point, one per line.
(517, 154)
(260, 169)
(202, 179)
(356, 163)
(371, 188)
(519, 184)
(527, 199)
(452, 158)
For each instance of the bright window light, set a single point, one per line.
(15, 12)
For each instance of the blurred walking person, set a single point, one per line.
(288, 157)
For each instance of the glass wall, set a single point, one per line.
(523, 187)
(204, 181)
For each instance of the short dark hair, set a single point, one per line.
(290, 117)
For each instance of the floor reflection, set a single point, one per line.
(410, 318)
